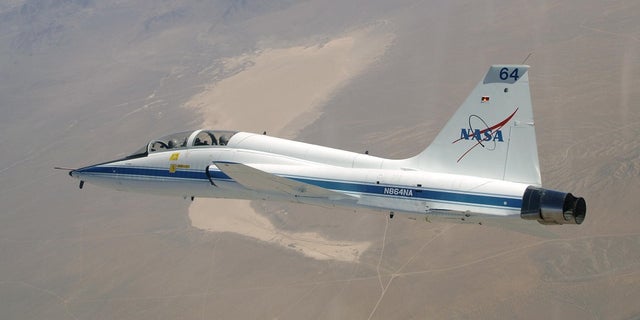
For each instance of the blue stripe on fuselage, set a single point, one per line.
(336, 185)
(417, 193)
(154, 172)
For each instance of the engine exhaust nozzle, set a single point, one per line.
(552, 207)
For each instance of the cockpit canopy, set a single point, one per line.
(183, 140)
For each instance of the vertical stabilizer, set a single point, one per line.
(492, 134)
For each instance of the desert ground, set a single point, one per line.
(83, 82)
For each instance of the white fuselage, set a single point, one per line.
(373, 182)
(482, 165)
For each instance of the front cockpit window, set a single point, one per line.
(188, 139)
(172, 141)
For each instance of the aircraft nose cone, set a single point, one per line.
(79, 173)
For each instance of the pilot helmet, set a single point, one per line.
(173, 143)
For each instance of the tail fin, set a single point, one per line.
(492, 134)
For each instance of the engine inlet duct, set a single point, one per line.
(552, 207)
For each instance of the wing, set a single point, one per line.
(258, 180)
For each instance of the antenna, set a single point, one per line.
(527, 58)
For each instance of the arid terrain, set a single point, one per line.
(84, 81)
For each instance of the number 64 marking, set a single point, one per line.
(504, 74)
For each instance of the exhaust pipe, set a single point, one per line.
(552, 207)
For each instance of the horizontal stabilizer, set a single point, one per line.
(507, 223)
(258, 180)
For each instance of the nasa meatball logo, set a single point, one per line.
(479, 133)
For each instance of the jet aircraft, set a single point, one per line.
(481, 168)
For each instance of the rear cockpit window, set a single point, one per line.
(212, 138)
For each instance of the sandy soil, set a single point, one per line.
(86, 82)
(306, 78)
(277, 86)
(239, 217)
